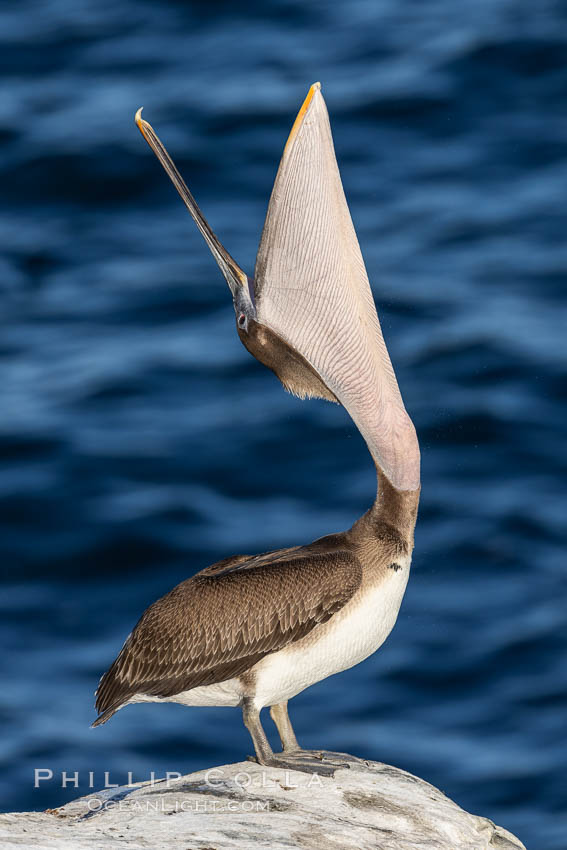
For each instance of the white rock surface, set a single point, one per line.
(246, 806)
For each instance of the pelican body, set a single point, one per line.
(255, 630)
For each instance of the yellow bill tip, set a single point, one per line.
(140, 122)
(301, 114)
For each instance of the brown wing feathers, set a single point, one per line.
(214, 627)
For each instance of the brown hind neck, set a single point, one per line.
(391, 518)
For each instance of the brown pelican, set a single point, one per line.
(255, 630)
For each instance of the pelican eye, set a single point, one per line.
(242, 320)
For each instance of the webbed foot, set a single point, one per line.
(306, 761)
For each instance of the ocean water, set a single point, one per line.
(139, 441)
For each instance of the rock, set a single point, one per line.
(367, 805)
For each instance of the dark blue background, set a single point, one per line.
(139, 441)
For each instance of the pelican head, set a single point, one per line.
(308, 314)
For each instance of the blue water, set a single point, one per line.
(139, 441)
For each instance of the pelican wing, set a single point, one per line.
(218, 624)
(312, 290)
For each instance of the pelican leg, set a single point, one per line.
(280, 716)
(251, 718)
(298, 760)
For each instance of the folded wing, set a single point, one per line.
(219, 623)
